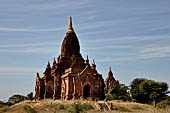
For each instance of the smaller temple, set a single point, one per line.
(110, 81)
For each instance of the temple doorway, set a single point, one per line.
(86, 91)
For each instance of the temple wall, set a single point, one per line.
(49, 89)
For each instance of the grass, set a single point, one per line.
(137, 107)
(58, 106)
(121, 109)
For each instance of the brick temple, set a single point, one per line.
(72, 77)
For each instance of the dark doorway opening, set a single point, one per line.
(86, 91)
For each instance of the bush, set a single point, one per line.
(30, 96)
(109, 97)
(1, 102)
(87, 106)
(161, 105)
(29, 109)
(118, 92)
(77, 107)
(61, 107)
(16, 98)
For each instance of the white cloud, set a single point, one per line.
(22, 45)
(28, 44)
(97, 24)
(45, 50)
(15, 70)
(92, 25)
(40, 47)
(125, 39)
(105, 47)
(8, 29)
(115, 59)
(62, 4)
(131, 51)
(155, 52)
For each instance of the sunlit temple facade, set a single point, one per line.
(72, 77)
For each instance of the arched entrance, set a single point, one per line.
(86, 91)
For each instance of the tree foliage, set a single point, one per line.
(1, 102)
(16, 98)
(147, 91)
(30, 96)
(118, 92)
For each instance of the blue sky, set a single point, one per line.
(133, 37)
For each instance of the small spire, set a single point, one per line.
(38, 75)
(37, 78)
(110, 69)
(70, 28)
(87, 60)
(54, 61)
(110, 75)
(93, 65)
(48, 65)
(93, 62)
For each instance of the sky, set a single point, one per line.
(133, 37)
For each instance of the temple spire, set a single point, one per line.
(70, 28)
(93, 65)
(87, 60)
(38, 75)
(110, 75)
(93, 62)
(48, 65)
(54, 61)
(110, 69)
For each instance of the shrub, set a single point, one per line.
(161, 105)
(61, 107)
(30, 96)
(16, 98)
(29, 109)
(77, 107)
(109, 97)
(87, 106)
(118, 92)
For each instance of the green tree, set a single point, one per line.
(147, 91)
(155, 97)
(164, 103)
(30, 96)
(1, 103)
(134, 89)
(16, 98)
(118, 92)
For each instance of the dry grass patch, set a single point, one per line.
(58, 106)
